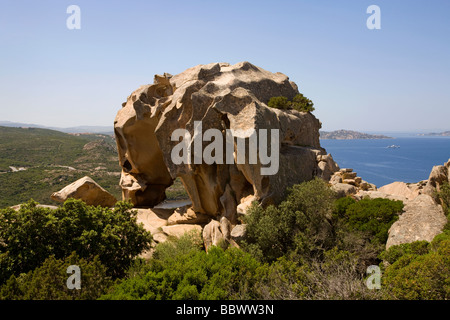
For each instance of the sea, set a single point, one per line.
(411, 161)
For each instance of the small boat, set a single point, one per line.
(393, 146)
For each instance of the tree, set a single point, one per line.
(299, 103)
(303, 104)
(300, 224)
(31, 234)
(48, 282)
(373, 216)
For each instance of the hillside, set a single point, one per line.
(79, 129)
(349, 134)
(35, 162)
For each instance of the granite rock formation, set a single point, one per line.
(224, 97)
(87, 190)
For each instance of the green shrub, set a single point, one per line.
(374, 216)
(396, 252)
(48, 282)
(279, 103)
(301, 223)
(341, 205)
(31, 234)
(299, 103)
(420, 271)
(191, 274)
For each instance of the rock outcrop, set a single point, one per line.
(438, 176)
(422, 219)
(224, 97)
(408, 191)
(347, 183)
(87, 190)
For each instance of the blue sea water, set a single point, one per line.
(377, 164)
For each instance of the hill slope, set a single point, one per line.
(35, 162)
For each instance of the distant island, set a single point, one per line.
(439, 134)
(348, 134)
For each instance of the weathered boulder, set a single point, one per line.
(87, 190)
(238, 232)
(181, 229)
(187, 216)
(438, 176)
(422, 219)
(213, 236)
(343, 189)
(245, 204)
(327, 166)
(229, 98)
(346, 182)
(378, 194)
(400, 189)
(152, 219)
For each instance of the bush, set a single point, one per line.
(279, 103)
(396, 252)
(361, 228)
(373, 216)
(420, 271)
(299, 103)
(31, 234)
(191, 274)
(299, 224)
(48, 282)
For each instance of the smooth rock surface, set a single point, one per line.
(422, 219)
(224, 97)
(87, 190)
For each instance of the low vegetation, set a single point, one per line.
(31, 234)
(299, 103)
(310, 246)
(50, 160)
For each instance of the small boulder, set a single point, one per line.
(336, 178)
(187, 216)
(180, 229)
(238, 232)
(213, 236)
(343, 189)
(438, 176)
(245, 204)
(87, 190)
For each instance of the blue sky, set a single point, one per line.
(393, 79)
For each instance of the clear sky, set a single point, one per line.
(393, 79)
